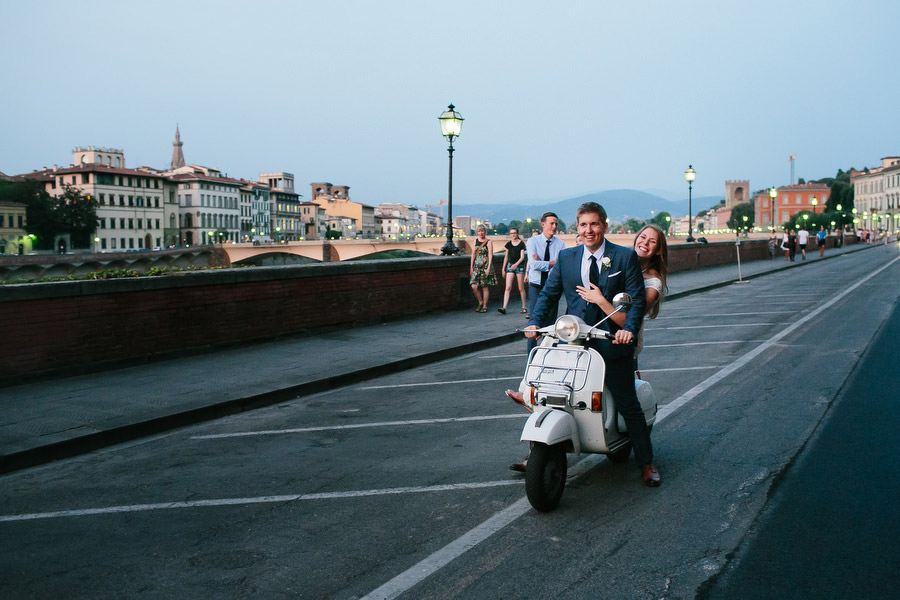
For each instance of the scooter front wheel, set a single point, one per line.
(545, 476)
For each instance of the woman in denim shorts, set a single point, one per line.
(514, 263)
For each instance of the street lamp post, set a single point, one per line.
(451, 124)
(689, 176)
(815, 204)
(773, 194)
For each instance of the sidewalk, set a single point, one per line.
(59, 418)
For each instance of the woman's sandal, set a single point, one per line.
(524, 312)
(501, 310)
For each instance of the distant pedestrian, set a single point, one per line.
(821, 238)
(773, 244)
(792, 244)
(482, 269)
(785, 239)
(802, 241)
(513, 269)
(543, 250)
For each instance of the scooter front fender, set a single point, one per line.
(552, 427)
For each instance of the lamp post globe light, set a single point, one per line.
(773, 194)
(451, 124)
(689, 176)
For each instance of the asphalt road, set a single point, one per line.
(832, 528)
(398, 487)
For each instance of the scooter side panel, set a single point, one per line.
(590, 424)
(647, 400)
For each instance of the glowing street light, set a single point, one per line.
(773, 194)
(451, 125)
(689, 175)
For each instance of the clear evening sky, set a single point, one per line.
(560, 98)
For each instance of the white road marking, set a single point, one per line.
(719, 326)
(400, 385)
(702, 343)
(743, 360)
(680, 369)
(257, 500)
(431, 564)
(216, 436)
(743, 314)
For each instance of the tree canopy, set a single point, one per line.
(741, 217)
(48, 216)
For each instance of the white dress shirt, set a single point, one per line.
(586, 264)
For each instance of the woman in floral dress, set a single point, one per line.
(482, 269)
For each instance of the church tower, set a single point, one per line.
(177, 154)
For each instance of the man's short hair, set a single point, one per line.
(548, 214)
(591, 207)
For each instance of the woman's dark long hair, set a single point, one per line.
(659, 262)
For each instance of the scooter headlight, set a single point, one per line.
(567, 328)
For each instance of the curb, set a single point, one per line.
(126, 433)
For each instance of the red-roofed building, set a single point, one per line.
(791, 200)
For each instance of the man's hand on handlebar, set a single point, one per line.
(532, 331)
(623, 337)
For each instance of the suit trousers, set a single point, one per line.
(620, 381)
(533, 292)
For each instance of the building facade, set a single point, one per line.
(287, 226)
(876, 196)
(335, 199)
(256, 213)
(208, 205)
(130, 212)
(791, 200)
(13, 237)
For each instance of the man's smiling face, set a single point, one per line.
(592, 230)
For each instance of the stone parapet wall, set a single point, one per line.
(68, 326)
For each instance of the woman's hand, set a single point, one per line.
(593, 295)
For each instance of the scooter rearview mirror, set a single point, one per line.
(621, 301)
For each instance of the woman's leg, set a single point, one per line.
(477, 293)
(485, 292)
(508, 290)
(520, 277)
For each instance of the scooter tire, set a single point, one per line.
(545, 476)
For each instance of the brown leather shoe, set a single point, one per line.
(519, 399)
(650, 475)
(518, 467)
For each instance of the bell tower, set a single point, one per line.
(177, 154)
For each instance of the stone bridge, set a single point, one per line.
(40, 266)
(331, 250)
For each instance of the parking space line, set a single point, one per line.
(719, 326)
(702, 343)
(681, 369)
(216, 436)
(743, 314)
(257, 500)
(400, 385)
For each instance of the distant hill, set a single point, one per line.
(620, 206)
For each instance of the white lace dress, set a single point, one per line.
(649, 283)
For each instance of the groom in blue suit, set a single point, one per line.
(611, 269)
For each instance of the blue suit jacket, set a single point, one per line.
(623, 275)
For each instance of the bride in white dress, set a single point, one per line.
(653, 252)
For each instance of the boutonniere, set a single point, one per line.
(605, 263)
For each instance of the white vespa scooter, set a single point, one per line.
(563, 383)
